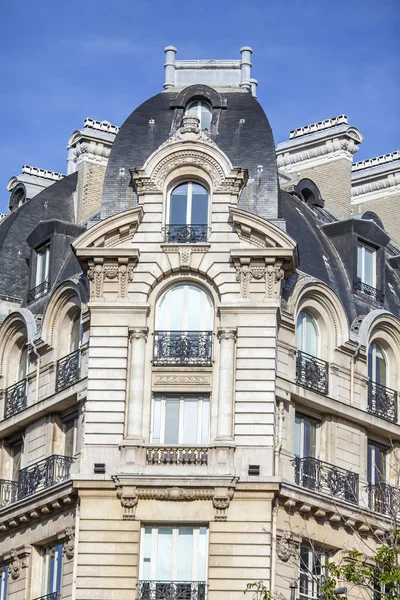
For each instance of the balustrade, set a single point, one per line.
(172, 590)
(15, 399)
(67, 370)
(38, 291)
(377, 295)
(43, 474)
(176, 455)
(8, 492)
(382, 401)
(384, 499)
(317, 475)
(312, 372)
(186, 234)
(182, 348)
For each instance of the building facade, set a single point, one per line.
(199, 354)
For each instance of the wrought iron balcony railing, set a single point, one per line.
(43, 474)
(312, 372)
(53, 596)
(39, 290)
(8, 492)
(384, 499)
(176, 455)
(382, 401)
(186, 234)
(172, 590)
(182, 348)
(368, 290)
(67, 370)
(320, 476)
(15, 399)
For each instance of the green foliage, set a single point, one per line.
(261, 592)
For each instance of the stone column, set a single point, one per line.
(138, 339)
(227, 338)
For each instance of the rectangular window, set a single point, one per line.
(174, 554)
(52, 569)
(70, 429)
(312, 569)
(376, 464)
(181, 419)
(305, 443)
(16, 450)
(3, 581)
(42, 265)
(366, 265)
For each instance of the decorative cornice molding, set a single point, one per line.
(182, 380)
(390, 183)
(341, 146)
(377, 160)
(341, 119)
(43, 173)
(101, 126)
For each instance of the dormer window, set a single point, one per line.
(202, 110)
(187, 217)
(366, 265)
(41, 277)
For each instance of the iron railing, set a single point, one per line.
(312, 372)
(182, 348)
(15, 399)
(67, 370)
(176, 455)
(8, 492)
(385, 499)
(382, 401)
(320, 476)
(53, 596)
(172, 590)
(186, 234)
(39, 290)
(43, 474)
(368, 290)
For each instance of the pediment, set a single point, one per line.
(259, 232)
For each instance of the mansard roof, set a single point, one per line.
(242, 132)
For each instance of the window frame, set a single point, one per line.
(42, 251)
(51, 575)
(189, 201)
(24, 348)
(200, 399)
(186, 316)
(302, 347)
(317, 428)
(313, 581)
(198, 104)
(74, 419)
(361, 276)
(174, 564)
(373, 371)
(372, 467)
(3, 581)
(12, 445)
(74, 320)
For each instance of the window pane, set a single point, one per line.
(16, 454)
(193, 110)
(371, 369)
(171, 435)
(177, 309)
(74, 335)
(185, 554)
(311, 341)
(359, 262)
(194, 305)
(23, 359)
(205, 115)
(205, 429)
(157, 420)
(178, 205)
(380, 365)
(146, 575)
(369, 278)
(202, 555)
(309, 438)
(297, 438)
(69, 433)
(199, 214)
(164, 554)
(190, 421)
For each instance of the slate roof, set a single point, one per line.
(249, 144)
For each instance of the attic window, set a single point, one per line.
(202, 110)
(18, 197)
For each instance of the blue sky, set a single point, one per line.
(63, 61)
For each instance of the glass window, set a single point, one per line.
(51, 569)
(174, 554)
(377, 364)
(307, 334)
(42, 266)
(70, 428)
(22, 364)
(183, 419)
(185, 308)
(312, 569)
(376, 464)
(16, 451)
(305, 437)
(3, 581)
(366, 265)
(202, 110)
(188, 205)
(74, 335)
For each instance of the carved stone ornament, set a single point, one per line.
(221, 502)
(273, 275)
(129, 499)
(286, 547)
(17, 564)
(182, 380)
(69, 544)
(99, 274)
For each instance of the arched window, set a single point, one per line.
(307, 334)
(184, 323)
(188, 213)
(377, 371)
(22, 364)
(202, 110)
(74, 334)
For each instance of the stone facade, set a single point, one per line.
(91, 478)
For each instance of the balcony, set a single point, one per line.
(182, 348)
(312, 372)
(313, 474)
(186, 234)
(176, 455)
(368, 290)
(38, 291)
(8, 492)
(67, 370)
(43, 474)
(384, 499)
(172, 590)
(382, 401)
(15, 399)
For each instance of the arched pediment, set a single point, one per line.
(61, 297)
(260, 232)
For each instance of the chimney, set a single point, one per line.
(170, 52)
(245, 67)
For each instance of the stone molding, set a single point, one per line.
(306, 129)
(387, 183)
(185, 252)
(100, 273)
(108, 233)
(286, 547)
(376, 161)
(138, 333)
(43, 173)
(130, 496)
(69, 544)
(18, 559)
(273, 275)
(339, 147)
(92, 151)
(182, 380)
